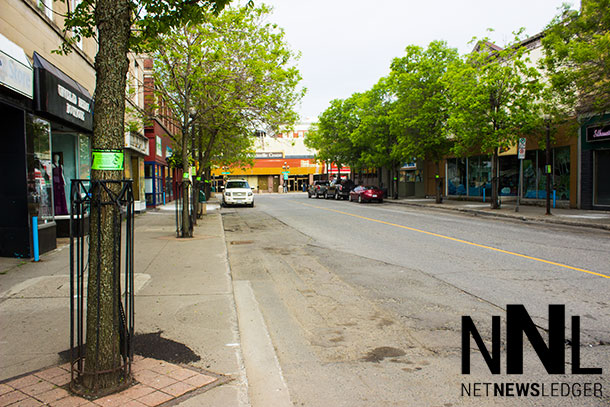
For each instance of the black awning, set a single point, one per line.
(60, 96)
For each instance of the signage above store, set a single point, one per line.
(16, 73)
(61, 96)
(598, 133)
(264, 154)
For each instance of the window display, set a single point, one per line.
(40, 169)
(479, 176)
(456, 176)
(59, 186)
(74, 154)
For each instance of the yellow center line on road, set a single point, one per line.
(461, 241)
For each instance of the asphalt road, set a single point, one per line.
(363, 303)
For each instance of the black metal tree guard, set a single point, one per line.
(199, 188)
(85, 195)
(185, 187)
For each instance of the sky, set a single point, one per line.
(347, 45)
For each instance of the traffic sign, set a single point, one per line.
(521, 148)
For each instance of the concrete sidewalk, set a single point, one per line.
(184, 294)
(527, 213)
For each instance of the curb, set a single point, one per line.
(504, 215)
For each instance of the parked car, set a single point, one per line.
(318, 189)
(366, 193)
(237, 192)
(340, 189)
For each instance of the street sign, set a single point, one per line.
(521, 148)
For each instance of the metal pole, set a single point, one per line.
(35, 237)
(547, 168)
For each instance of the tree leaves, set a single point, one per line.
(226, 78)
(577, 57)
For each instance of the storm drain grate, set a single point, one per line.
(242, 241)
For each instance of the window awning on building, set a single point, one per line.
(61, 96)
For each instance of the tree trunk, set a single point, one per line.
(194, 182)
(111, 64)
(185, 195)
(208, 185)
(186, 232)
(495, 181)
(439, 183)
(395, 181)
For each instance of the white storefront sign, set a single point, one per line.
(16, 72)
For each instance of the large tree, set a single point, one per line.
(374, 137)
(224, 79)
(421, 110)
(119, 26)
(577, 57)
(331, 135)
(494, 99)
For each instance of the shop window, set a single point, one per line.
(534, 176)
(601, 175)
(479, 175)
(66, 166)
(456, 176)
(410, 176)
(531, 174)
(561, 172)
(84, 157)
(509, 175)
(40, 169)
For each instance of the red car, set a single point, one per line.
(366, 193)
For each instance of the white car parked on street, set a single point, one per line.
(237, 192)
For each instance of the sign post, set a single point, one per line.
(521, 156)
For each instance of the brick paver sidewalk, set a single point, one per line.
(157, 382)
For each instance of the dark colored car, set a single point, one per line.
(340, 189)
(318, 189)
(366, 193)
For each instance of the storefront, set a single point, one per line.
(47, 123)
(595, 161)
(65, 107)
(159, 178)
(411, 180)
(154, 189)
(136, 149)
(471, 176)
(268, 174)
(26, 174)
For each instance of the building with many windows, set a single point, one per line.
(160, 180)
